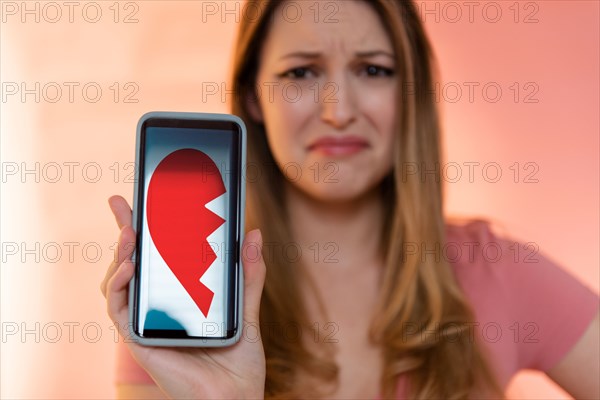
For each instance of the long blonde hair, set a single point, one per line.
(414, 292)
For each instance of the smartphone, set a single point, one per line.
(188, 214)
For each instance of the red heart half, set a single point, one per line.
(179, 222)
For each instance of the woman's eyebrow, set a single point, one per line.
(360, 54)
(303, 54)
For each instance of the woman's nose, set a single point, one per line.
(338, 106)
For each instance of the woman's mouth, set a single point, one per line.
(338, 145)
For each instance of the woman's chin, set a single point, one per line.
(334, 192)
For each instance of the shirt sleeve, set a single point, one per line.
(127, 370)
(552, 308)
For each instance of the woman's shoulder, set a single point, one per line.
(479, 244)
(485, 249)
(462, 228)
(485, 258)
(519, 290)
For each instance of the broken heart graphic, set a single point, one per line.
(179, 222)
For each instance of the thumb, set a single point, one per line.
(254, 275)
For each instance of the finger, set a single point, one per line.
(254, 275)
(124, 249)
(117, 296)
(121, 210)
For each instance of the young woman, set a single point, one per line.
(393, 315)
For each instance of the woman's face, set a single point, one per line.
(327, 74)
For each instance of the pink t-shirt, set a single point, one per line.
(529, 311)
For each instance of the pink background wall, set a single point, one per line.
(56, 338)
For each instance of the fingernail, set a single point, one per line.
(255, 236)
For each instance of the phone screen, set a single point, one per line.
(188, 229)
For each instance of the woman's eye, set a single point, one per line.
(375, 70)
(297, 73)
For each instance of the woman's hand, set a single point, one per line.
(234, 372)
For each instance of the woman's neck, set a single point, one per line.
(344, 236)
